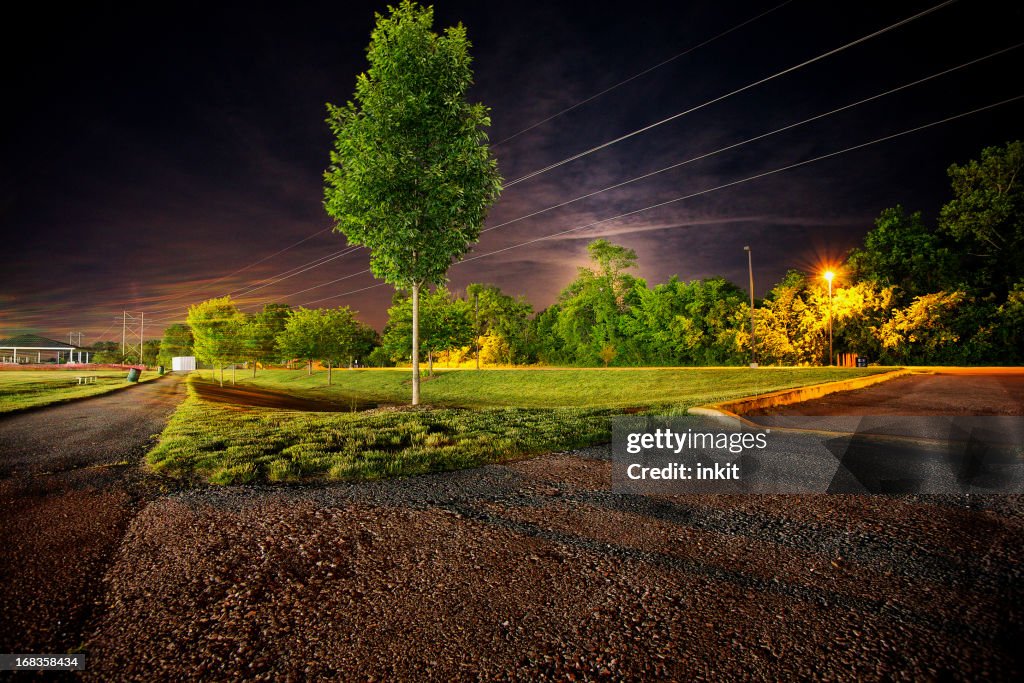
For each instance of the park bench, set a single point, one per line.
(88, 379)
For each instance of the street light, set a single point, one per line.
(753, 334)
(828, 276)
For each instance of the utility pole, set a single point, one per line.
(828, 276)
(476, 327)
(753, 332)
(132, 331)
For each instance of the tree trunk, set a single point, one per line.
(415, 344)
(309, 368)
(232, 373)
(328, 373)
(222, 375)
(254, 368)
(430, 363)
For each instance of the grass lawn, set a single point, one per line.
(475, 418)
(224, 444)
(21, 389)
(549, 388)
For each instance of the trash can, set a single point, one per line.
(161, 370)
(133, 375)
(862, 361)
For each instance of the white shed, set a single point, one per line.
(183, 363)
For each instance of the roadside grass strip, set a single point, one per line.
(22, 389)
(228, 445)
(548, 387)
(473, 418)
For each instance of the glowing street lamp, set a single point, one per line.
(828, 277)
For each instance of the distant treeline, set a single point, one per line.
(914, 293)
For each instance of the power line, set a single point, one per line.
(677, 115)
(758, 137)
(254, 263)
(685, 112)
(299, 270)
(514, 135)
(714, 189)
(643, 73)
(718, 151)
(315, 263)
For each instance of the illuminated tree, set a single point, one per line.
(216, 327)
(411, 176)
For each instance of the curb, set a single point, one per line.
(737, 407)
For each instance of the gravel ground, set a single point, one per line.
(69, 486)
(534, 570)
(530, 570)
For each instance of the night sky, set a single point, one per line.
(151, 150)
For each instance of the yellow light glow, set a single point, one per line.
(829, 275)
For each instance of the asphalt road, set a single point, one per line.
(953, 391)
(69, 486)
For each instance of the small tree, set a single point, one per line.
(260, 333)
(339, 337)
(446, 323)
(303, 336)
(608, 353)
(216, 326)
(411, 176)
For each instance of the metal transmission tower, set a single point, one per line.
(132, 328)
(75, 339)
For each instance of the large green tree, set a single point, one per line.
(902, 251)
(679, 323)
(411, 175)
(986, 217)
(589, 309)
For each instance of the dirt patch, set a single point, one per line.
(259, 398)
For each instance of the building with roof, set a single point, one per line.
(30, 348)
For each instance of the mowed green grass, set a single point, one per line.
(549, 388)
(20, 389)
(474, 418)
(224, 444)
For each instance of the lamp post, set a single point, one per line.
(828, 277)
(753, 333)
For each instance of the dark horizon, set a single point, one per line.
(152, 152)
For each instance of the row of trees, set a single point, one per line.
(224, 336)
(952, 292)
(913, 293)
